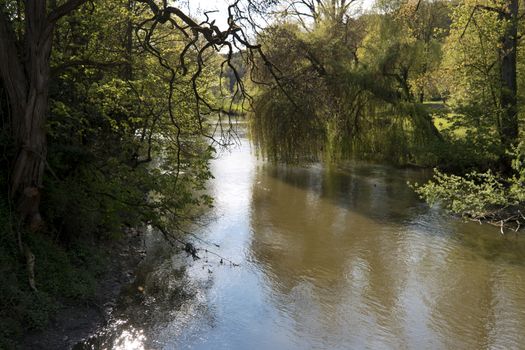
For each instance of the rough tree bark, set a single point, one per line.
(25, 73)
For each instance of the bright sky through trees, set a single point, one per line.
(197, 6)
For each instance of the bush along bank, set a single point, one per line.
(482, 196)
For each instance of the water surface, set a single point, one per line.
(344, 258)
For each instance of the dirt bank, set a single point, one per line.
(75, 322)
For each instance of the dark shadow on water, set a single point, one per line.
(378, 192)
(381, 194)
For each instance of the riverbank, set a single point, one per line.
(74, 320)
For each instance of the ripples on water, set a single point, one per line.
(330, 259)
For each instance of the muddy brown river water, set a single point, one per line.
(344, 258)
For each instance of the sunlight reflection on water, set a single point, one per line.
(130, 340)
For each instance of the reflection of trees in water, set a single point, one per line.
(379, 192)
(352, 258)
(310, 242)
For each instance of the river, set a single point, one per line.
(344, 258)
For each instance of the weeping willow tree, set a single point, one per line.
(345, 91)
(284, 132)
(295, 126)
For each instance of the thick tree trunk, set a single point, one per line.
(29, 165)
(25, 73)
(27, 86)
(508, 98)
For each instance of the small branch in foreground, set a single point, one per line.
(189, 248)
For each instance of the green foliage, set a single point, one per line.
(517, 181)
(119, 155)
(470, 73)
(473, 195)
(480, 195)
